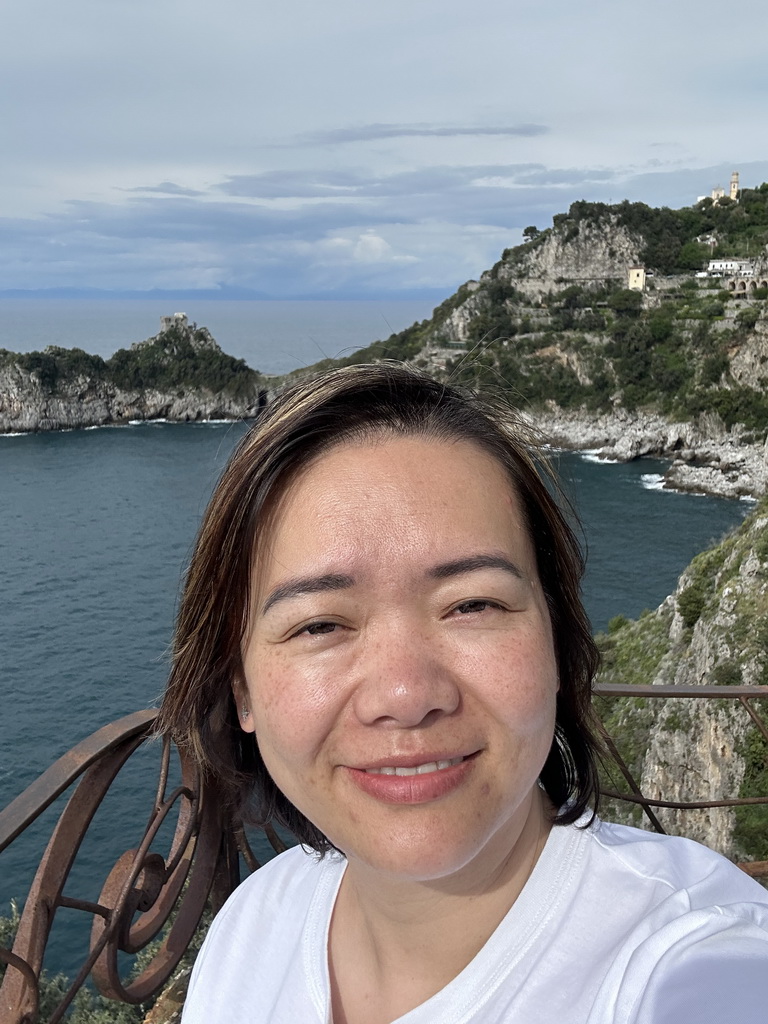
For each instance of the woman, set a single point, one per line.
(381, 645)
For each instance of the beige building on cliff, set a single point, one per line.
(636, 278)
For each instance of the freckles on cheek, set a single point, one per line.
(289, 705)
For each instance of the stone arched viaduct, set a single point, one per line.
(745, 285)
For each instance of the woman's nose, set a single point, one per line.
(404, 679)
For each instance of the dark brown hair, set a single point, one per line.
(308, 418)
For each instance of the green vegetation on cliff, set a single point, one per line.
(712, 631)
(181, 358)
(601, 347)
(673, 240)
(178, 359)
(554, 322)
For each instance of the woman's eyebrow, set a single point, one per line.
(472, 563)
(306, 585)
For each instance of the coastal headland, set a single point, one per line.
(180, 374)
(618, 330)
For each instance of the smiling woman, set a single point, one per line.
(381, 644)
(399, 655)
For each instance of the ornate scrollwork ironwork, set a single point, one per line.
(146, 896)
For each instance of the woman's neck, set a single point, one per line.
(394, 942)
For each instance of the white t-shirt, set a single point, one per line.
(614, 926)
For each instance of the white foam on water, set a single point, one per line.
(594, 455)
(653, 482)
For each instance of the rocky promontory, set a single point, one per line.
(181, 375)
(613, 332)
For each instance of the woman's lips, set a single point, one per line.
(415, 783)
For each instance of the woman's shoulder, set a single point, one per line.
(255, 947)
(672, 864)
(691, 929)
(293, 878)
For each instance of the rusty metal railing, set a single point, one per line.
(745, 696)
(149, 897)
(145, 896)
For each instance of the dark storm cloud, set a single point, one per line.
(374, 132)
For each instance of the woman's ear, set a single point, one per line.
(243, 706)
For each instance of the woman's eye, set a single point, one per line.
(317, 629)
(468, 607)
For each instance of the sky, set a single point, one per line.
(349, 149)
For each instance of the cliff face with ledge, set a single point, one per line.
(587, 253)
(180, 375)
(713, 630)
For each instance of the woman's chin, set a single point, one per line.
(443, 858)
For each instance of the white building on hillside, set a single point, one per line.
(718, 192)
(731, 265)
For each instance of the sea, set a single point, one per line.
(96, 528)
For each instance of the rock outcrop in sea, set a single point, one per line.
(180, 375)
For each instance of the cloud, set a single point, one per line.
(296, 184)
(364, 184)
(293, 232)
(166, 188)
(375, 132)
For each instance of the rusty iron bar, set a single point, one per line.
(745, 701)
(684, 805)
(629, 777)
(275, 841)
(755, 868)
(744, 694)
(53, 870)
(632, 690)
(41, 793)
(251, 861)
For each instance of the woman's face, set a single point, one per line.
(399, 665)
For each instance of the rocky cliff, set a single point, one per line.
(180, 375)
(713, 630)
(705, 457)
(589, 252)
(678, 371)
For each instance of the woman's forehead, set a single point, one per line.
(394, 495)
